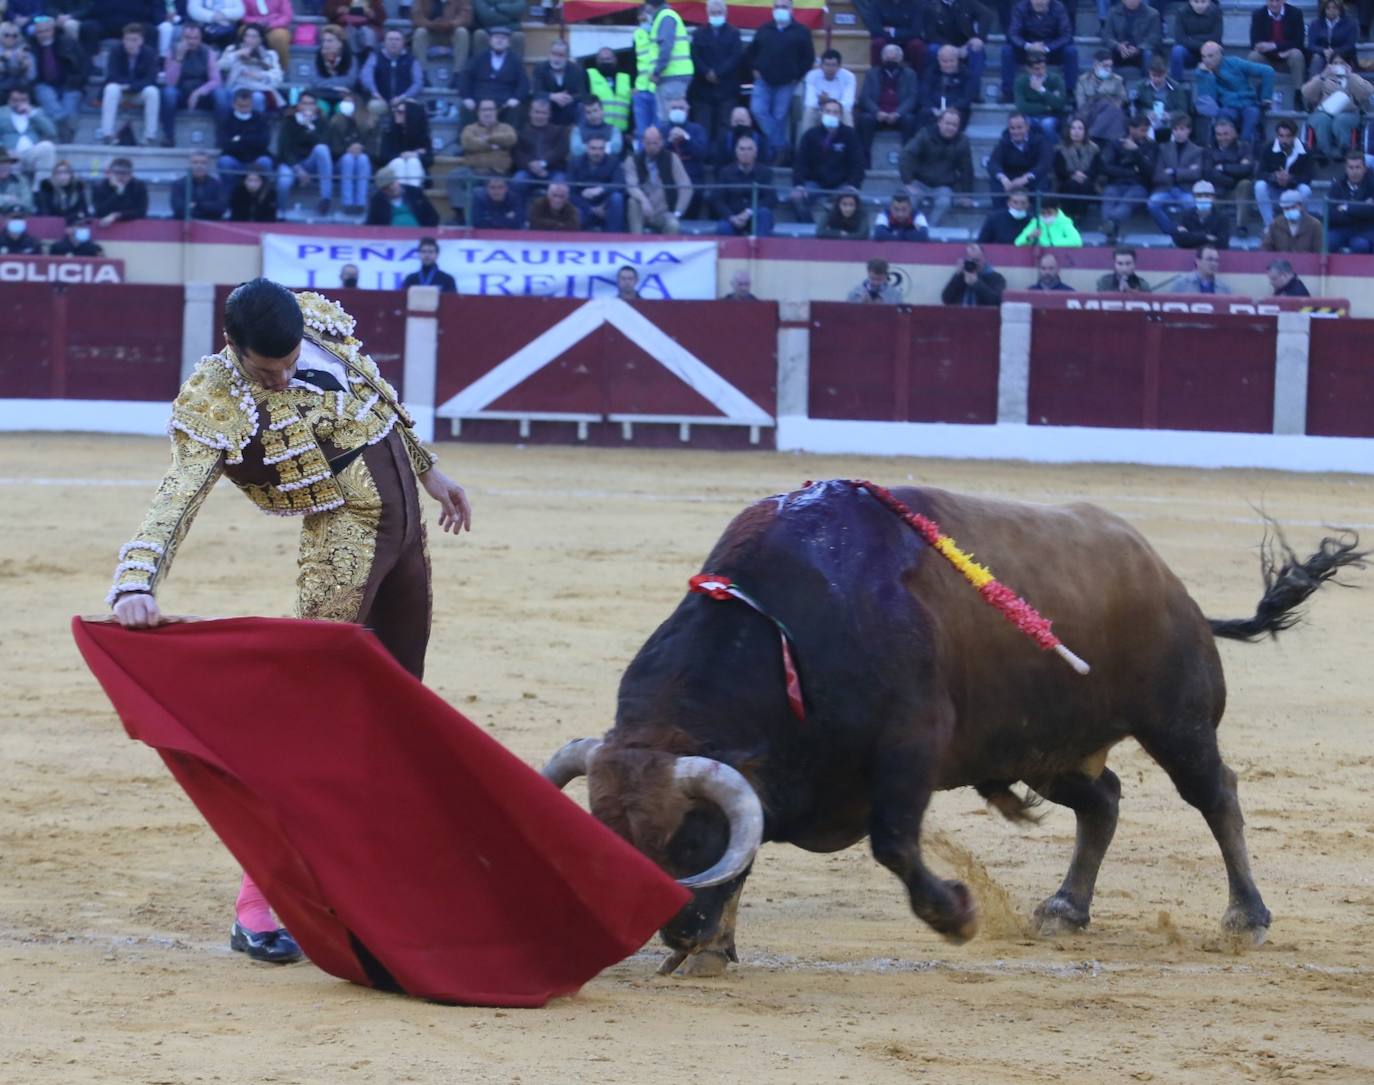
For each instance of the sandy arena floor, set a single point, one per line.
(115, 899)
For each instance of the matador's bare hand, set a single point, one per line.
(136, 610)
(455, 514)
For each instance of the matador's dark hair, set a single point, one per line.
(262, 316)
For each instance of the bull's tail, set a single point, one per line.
(1288, 582)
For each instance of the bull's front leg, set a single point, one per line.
(901, 792)
(705, 940)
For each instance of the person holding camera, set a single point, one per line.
(877, 287)
(974, 282)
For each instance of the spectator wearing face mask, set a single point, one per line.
(348, 276)
(1204, 223)
(351, 144)
(741, 124)
(687, 140)
(717, 66)
(1051, 228)
(244, 137)
(828, 158)
(1101, 98)
(780, 56)
(76, 241)
(16, 240)
(1295, 230)
(889, 100)
(1335, 99)
(1005, 226)
(610, 89)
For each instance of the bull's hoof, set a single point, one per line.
(1058, 916)
(959, 923)
(1246, 927)
(703, 964)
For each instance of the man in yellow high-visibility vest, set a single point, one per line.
(612, 88)
(643, 103)
(672, 62)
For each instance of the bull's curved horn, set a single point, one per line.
(570, 762)
(717, 782)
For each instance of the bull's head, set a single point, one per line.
(698, 819)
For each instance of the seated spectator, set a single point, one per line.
(779, 55)
(1197, 23)
(200, 194)
(496, 207)
(687, 140)
(1204, 223)
(846, 219)
(1230, 166)
(541, 152)
(974, 282)
(900, 221)
(362, 22)
(1160, 98)
(1042, 97)
(1128, 167)
(1122, 279)
(63, 195)
(273, 18)
(658, 189)
(337, 71)
(741, 124)
(1051, 228)
(131, 69)
(949, 84)
(828, 158)
(16, 240)
(1132, 34)
(1284, 281)
(1332, 36)
(1296, 231)
(107, 19)
(595, 126)
(252, 199)
(825, 83)
(191, 80)
(14, 190)
(610, 87)
(1077, 170)
(495, 73)
(1038, 27)
(76, 241)
(1021, 160)
(249, 66)
(120, 196)
(303, 153)
(1335, 100)
(1224, 87)
(562, 81)
(441, 27)
(1101, 99)
(554, 210)
(17, 66)
(889, 100)
(627, 284)
(894, 22)
(938, 163)
(959, 23)
(405, 146)
(743, 201)
(28, 134)
(60, 69)
(430, 273)
(487, 142)
(877, 287)
(1004, 226)
(1285, 166)
(1047, 274)
(349, 144)
(244, 138)
(717, 67)
(595, 177)
(391, 75)
(1277, 37)
(1202, 279)
(1350, 207)
(740, 282)
(1178, 166)
(395, 204)
(218, 20)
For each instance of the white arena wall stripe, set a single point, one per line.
(1072, 444)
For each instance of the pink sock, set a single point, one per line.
(251, 908)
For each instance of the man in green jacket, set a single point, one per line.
(1051, 228)
(1041, 96)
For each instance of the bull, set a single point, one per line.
(912, 685)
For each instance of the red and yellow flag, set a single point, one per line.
(745, 14)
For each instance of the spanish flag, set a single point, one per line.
(745, 14)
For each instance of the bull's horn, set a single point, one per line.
(570, 762)
(717, 782)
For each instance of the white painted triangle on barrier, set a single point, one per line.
(579, 324)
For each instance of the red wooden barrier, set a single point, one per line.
(381, 317)
(90, 342)
(1153, 370)
(903, 364)
(1340, 379)
(603, 372)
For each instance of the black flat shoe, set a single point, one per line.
(274, 947)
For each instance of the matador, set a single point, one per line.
(300, 419)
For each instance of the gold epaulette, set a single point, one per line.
(216, 408)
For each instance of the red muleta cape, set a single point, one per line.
(403, 847)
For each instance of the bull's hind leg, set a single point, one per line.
(1190, 756)
(1095, 804)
